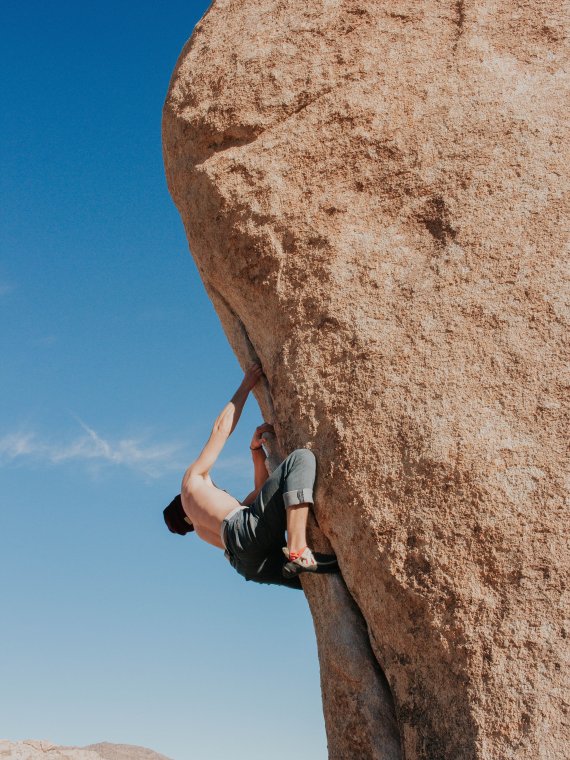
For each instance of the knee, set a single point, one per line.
(303, 457)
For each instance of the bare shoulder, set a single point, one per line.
(192, 480)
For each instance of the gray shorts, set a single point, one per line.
(253, 534)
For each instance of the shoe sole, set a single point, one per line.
(291, 570)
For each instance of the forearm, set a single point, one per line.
(225, 424)
(260, 473)
(238, 402)
(230, 414)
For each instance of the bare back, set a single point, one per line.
(207, 506)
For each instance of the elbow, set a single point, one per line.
(185, 487)
(224, 423)
(222, 429)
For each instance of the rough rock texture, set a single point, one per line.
(359, 710)
(32, 749)
(375, 194)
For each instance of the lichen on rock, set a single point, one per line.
(374, 194)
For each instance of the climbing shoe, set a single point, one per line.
(298, 562)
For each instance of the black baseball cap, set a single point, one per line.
(176, 519)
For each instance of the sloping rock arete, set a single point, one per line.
(374, 193)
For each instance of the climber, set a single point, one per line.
(251, 532)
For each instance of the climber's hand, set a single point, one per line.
(251, 376)
(256, 441)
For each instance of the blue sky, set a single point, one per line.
(113, 366)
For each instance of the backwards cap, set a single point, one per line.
(174, 515)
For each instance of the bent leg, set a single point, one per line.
(298, 482)
(300, 557)
(297, 517)
(290, 484)
(283, 504)
(298, 478)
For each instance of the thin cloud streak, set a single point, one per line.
(16, 445)
(153, 460)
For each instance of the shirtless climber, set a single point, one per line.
(252, 531)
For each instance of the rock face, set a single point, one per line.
(31, 749)
(374, 193)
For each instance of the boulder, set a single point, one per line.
(375, 196)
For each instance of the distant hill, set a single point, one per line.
(31, 749)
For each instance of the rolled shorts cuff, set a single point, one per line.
(300, 496)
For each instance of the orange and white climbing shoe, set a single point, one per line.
(298, 562)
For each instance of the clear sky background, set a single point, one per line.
(113, 366)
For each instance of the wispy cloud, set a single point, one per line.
(16, 445)
(152, 459)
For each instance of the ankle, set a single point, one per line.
(295, 550)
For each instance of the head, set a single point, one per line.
(176, 519)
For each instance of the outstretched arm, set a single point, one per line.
(225, 424)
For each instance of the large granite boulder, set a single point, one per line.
(374, 193)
